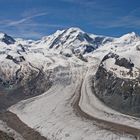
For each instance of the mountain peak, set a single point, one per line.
(75, 29)
(74, 39)
(6, 39)
(132, 36)
(2, 35)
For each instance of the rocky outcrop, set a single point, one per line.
(16, 59)
(24, 82)
(120, 93)
(74, 39)
(6, 39)
(4, 136)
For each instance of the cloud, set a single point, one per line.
(125, 22)
(131, 20)
(23, 20)
(85, 3)
(43, 25)
(28, 21)
(28, 27)
(32, 30)
(28, 34)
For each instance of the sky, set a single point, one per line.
(33, 19)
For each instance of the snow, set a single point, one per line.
(72, 38)
(90, 104)
(54, 113)
(119, 71)
(1, 35)
(128, 38)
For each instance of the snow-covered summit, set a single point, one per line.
(74, 39)
(2, 35)
(30, 68)
(6, 39)
(129, 38)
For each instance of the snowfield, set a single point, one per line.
(91, 105)
(54, 114)
(69, 109)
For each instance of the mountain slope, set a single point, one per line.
(6, 39)
(55, 93)
(120, 71)
(74, 39)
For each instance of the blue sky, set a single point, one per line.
(36, 18)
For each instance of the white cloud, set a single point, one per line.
(23, 20)
(131, 20)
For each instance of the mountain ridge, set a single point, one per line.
(57, 84)
(72, 39)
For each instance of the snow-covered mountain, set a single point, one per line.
(69, 43)
(74, 39)
(66, 98)
(120, 71)
(6, 39)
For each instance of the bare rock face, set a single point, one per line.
(117, 84)
(6, 39)
(4, 136)
(16, 59)
(20, 82)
